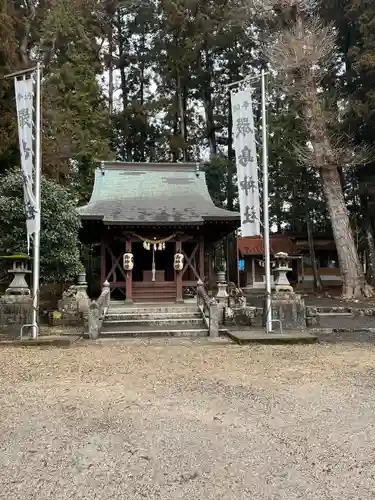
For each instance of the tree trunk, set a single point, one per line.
(180, 103)
(143, 126)
(126, 151)
(231, 159)
(354, 283)
(353, 279)
(318, 283)
(110, 71)
(207, 69)
(370, 253)
(370, 242)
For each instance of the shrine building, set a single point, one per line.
(152, 224)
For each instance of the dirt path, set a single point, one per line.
(117, 421)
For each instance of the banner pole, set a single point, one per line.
(266, 221)
(36, 249)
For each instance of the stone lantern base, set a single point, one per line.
(289, 308)
(15, 311)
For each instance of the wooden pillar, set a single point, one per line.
(178, 275)
(201, 258)
(103, 273)
(209, 271)
(253, 269)
(129, 276)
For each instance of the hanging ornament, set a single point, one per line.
(178, 262)
(147, 242)
(128, 261)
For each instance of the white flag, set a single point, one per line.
(24, 89)
(246, 162)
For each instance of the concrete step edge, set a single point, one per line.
(334, 314)
(174, 321)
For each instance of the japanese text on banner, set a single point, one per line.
(246, 162)
(24, 90)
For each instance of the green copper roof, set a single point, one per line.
(159, 193)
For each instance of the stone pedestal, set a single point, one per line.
(15, 311)
(222, 294)
(240, 316)
(238, 313)
(222, 300)
(289, 308)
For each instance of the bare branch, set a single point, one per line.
(302, 50)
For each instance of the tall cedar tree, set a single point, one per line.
(302, 51)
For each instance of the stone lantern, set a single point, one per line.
(281, 282)
(221, 281)
(19, 269)
(16, 305)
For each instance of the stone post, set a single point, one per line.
(215, 316)
(81, 297)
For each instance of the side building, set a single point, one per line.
(251, 249)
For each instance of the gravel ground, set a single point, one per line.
(118, 420)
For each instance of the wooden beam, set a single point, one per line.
(189, 262)
(129, 275)
(116, 264)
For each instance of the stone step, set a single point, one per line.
(332, 309)
(109, 323)
(146, 315)
(153, 309)
(155, 291)
(159, 299)
(150, 331)
(334, 314)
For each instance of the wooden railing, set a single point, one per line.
(209, 309)
(98, 310)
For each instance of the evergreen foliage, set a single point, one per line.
(59, 260)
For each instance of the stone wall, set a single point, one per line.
(340, 318)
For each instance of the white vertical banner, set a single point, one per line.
(24, 90)
(246, 161)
